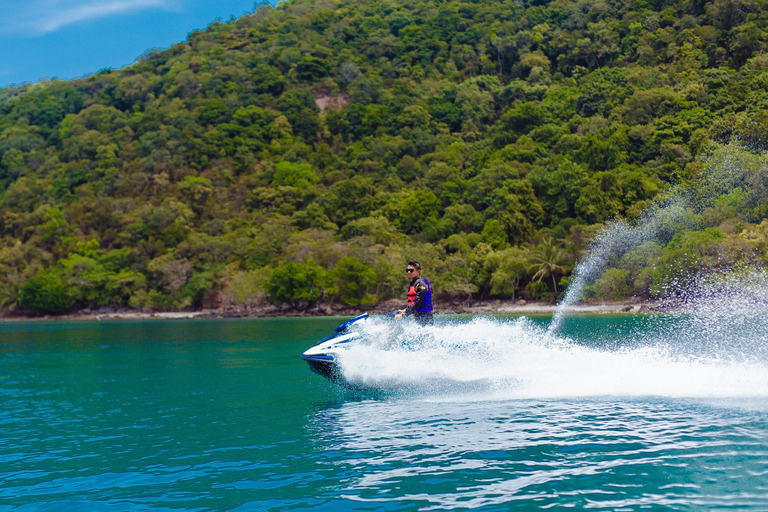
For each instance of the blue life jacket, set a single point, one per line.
(426, 303)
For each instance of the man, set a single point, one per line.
(419, 296)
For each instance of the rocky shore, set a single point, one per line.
(497, 307)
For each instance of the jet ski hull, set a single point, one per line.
(324, 366)
(324, 357)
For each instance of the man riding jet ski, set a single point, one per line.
(323, 358)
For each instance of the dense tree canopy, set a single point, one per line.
(304, 152)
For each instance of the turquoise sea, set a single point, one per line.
(608, 413)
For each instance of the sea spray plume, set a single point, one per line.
(659, 223)
(731, 169)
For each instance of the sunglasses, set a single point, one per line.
(409, 270)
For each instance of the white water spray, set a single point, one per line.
(731, 168)
(659, 224)
(513, 359)
(716, 347)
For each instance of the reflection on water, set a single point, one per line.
(447, 454)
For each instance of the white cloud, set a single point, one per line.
(38, 17)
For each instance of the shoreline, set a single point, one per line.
(497, 307)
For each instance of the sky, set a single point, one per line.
(68, 39)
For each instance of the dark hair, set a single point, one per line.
(415, 264)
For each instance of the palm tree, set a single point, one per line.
(549, 260)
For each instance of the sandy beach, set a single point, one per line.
(496, 307)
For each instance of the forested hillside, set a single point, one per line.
(304, 153)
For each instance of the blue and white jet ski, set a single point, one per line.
(323, 358)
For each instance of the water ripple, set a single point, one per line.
(586, 454)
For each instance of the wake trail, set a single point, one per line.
(519, 359)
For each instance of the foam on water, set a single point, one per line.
(511, 359)
(714, 347)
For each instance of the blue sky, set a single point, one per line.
(69, 39)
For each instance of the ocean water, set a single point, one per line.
(605, 413)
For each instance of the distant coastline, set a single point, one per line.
(493, 307)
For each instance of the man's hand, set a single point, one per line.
(399, 315)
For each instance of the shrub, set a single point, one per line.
(355, 281)
(299, 284)
(46, 293)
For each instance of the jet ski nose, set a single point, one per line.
(323, 358)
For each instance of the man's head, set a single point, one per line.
(413, 270)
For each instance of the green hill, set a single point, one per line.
(305, 153)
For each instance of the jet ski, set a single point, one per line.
(323, 358)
